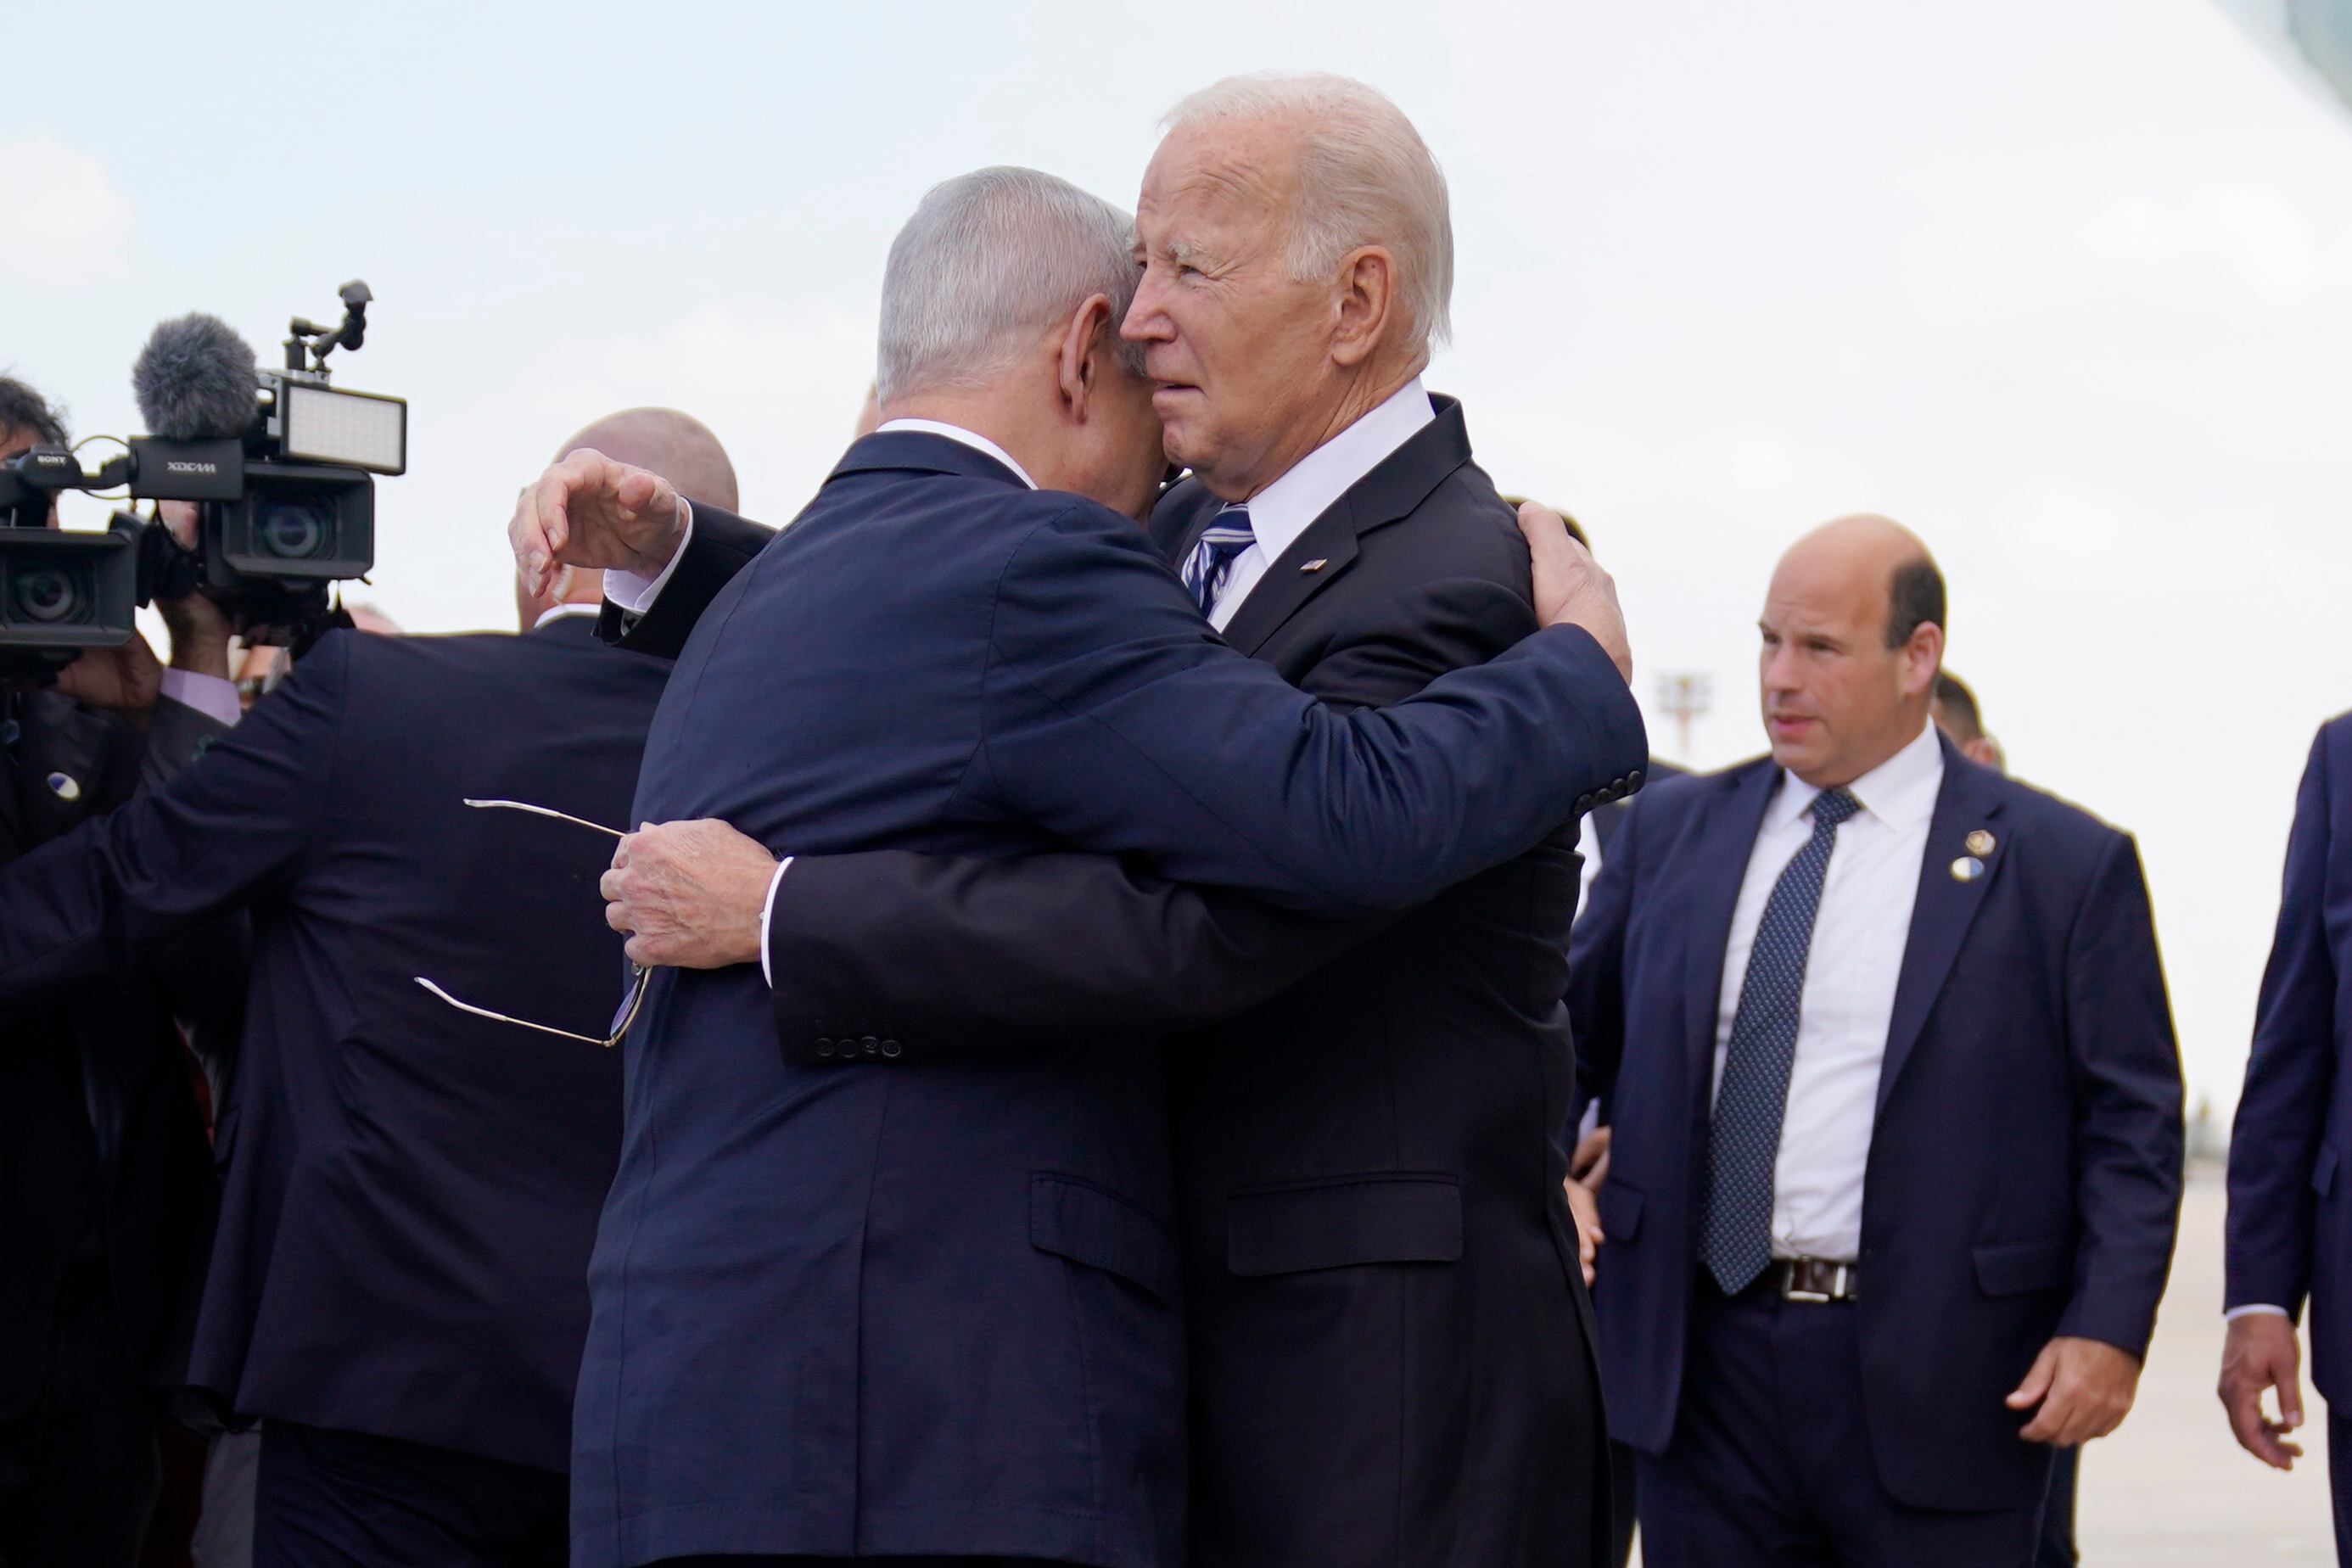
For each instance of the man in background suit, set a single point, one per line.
(1958, 717)
(2289, 1240)
(106, 1194)
(936, 1298)
(1896, 1106)
(1389, 1353)
(397, 1287)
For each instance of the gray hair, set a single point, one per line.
(990, 261)
(1365, 177)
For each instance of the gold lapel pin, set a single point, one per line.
(1966, 869)
(1317, 564)
(1981, 842)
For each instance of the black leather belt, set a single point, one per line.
(1814, 1280)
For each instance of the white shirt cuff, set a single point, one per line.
(209, 695)
(636, 592)
(767, 914)
(2235, 1313)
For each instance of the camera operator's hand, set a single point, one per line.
(589, 510)
(200, 628)
(125, 679)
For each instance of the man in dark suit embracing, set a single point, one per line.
(855, 1296)
(1389, 1353)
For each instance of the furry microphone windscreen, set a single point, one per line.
(195, 380)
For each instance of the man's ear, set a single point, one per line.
(1076, 373)
(1923, 658)
(1367, 304)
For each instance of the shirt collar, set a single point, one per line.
(1282, 511)
(970, 439)
(565, 612)
(1900, 791)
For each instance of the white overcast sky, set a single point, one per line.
(2066, 287)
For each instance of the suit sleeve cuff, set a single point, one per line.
(2235, 1313)
(634, 592)
(767, 914)
(209, 695)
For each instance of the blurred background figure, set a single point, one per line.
(1956, 715)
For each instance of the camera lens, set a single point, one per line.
(48, 595)
(295, 528)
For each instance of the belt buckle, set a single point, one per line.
(1840, 1282)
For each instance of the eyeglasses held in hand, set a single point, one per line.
(640, 974)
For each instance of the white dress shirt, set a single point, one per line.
(1860, 932)
(1282, 511)
(636, 592)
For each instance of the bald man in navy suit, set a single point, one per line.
(1896, 1112)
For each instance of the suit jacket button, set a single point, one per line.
(1633, 779)
(891, 1048)
(870, 1046)
(1583, 804)
(824, 1048)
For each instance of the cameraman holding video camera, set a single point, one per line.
(106, 1184)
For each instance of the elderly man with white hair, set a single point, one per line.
(868, 1282)
(1391, 1358)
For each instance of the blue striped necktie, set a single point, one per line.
(1744, 1145)
(1210, 565)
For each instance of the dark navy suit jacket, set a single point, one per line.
(2024, 1173)
(101, 1137)
(409, 1193)
(843, 1305)
(2290, 1230)
(1377, 1256)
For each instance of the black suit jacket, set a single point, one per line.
(1391, 1342)
(410, 1193)
(102, 1151)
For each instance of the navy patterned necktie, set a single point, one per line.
(1210, 565)
(1744, 1147)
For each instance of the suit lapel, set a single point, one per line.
(1947, 906)
(1286, 587)
(1397, 484)
(1722, 853)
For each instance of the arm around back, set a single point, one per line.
(1117, 720)
(949, 955)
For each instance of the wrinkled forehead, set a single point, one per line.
(1227, 173)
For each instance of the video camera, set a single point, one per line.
(281, 463)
